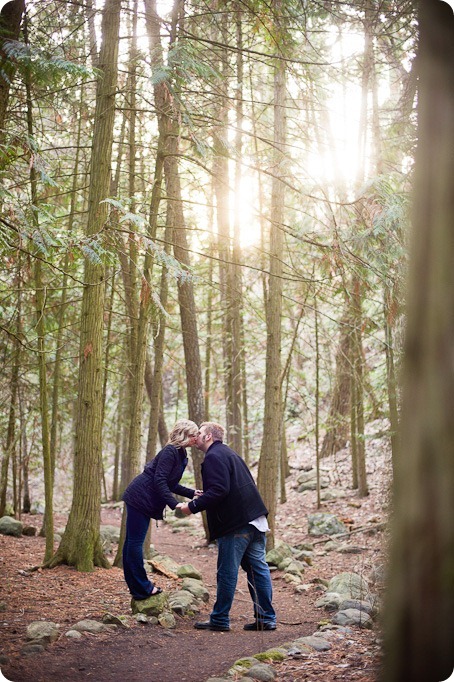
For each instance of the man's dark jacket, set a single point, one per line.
(152, 490)
(230, 497)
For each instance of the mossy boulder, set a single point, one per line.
(153, 606)
(276, 654)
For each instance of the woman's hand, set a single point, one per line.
(184, 508)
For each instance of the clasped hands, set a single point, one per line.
(183, 506)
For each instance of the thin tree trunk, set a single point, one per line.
(358, 402)
(391, 376)
(317, 402)
(236, 286)
(11, 428)
(40, 304)
(272, 428)
(337, 424)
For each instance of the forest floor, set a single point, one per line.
(151, 653)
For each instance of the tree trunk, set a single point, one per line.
(10, 21)
(11, 429)
(236, 283)
(337, 429)
(419, 627)
(272, 428)
(358, 435)
(391, 375)
(40, 304)
(221, 189)
(81, 544)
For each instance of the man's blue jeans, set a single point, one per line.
(135, 575)
(246, 548)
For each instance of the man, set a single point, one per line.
(237, 520)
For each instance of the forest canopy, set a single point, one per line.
(204, 215)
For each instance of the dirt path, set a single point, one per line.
(153, 654)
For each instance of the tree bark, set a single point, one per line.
(10, 22)
(337, 424)
(272, 428)
(81, 544)
(419, 627)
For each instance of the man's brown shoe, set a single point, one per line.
(208, 625)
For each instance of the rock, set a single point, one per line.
(321, 523)
(188, 571)
(353, 617)
(153, 606)
(352, 585)
(73, 634)
(10, 526)
(110, 536)
(196, 588)
(93, 626)
(359, 605)
(292, 579)
(274, 654)
(311, 477)
(298, 650)
(350, 549)
(295, 567)
(315, 642)
(262, 672)
(331, 601)
(286, 562)
(312, 485)
(182, 601)
(305, 555)
(167, 621)
(331, 494)
(32, 648)
(42, 632)
(166, 563)
(242, 665)
(280, 552)
(110, 619)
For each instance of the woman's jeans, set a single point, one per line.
(246, 548)
(135, 575)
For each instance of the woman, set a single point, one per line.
(146, 497)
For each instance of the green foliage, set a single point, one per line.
(93, 250)
(138, 221)
(46, 68)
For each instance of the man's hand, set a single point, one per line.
(184, 508)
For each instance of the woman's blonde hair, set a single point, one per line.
(182, 431)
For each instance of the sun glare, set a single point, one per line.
(341, 159)
(248, 219)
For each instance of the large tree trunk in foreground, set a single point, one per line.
(419, 623)
(81, 544)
